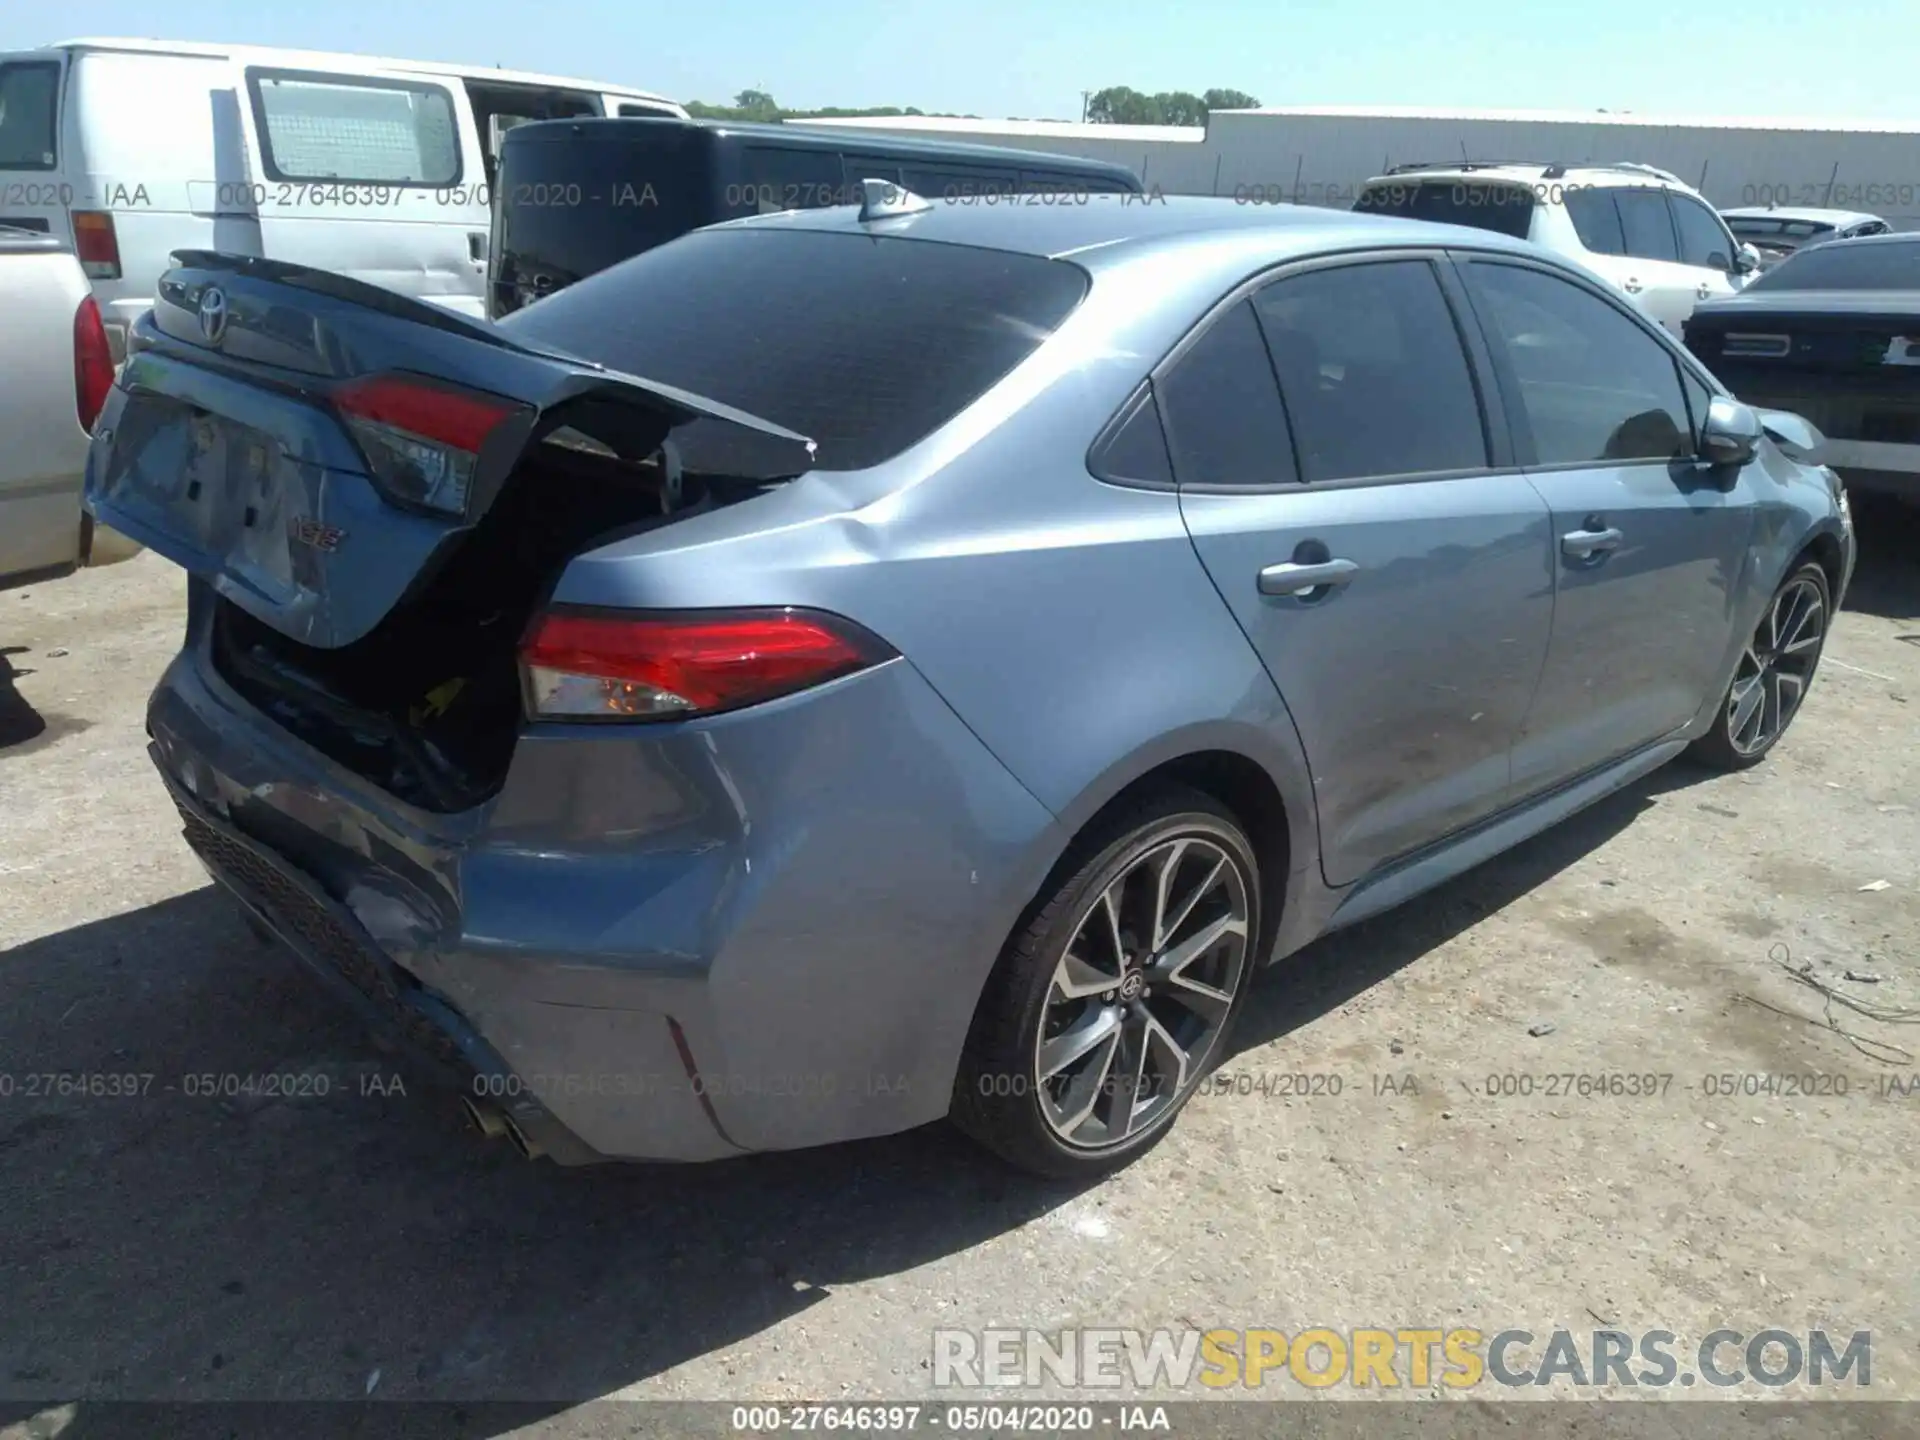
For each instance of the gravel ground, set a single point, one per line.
(168, 1247)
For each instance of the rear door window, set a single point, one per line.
(1483, 205)
(29, 114)
(1373, 372)
(1596, 220)
(1225, 423)
(865, 344)
(1647, 223)
(1135, 451)
(1702, 240)
(343, 128)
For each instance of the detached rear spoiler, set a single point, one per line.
(712, 436)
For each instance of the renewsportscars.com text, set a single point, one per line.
(1456, 1357)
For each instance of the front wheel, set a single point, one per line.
(1773, 676)
(1107, 1009)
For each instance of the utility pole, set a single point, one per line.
(1085, 96)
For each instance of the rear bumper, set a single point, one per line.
(325, 936)
(679, 943)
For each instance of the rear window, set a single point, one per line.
(1855, 265)
(1503, 209)
(29, 112)
(339, 128)
(1785, 229)
(864, 344)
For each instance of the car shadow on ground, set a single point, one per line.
(1332, 970)
(1886, 577)
(168, 1244)
(19, 721)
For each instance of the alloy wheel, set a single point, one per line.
(1142, 991)
(1776, 668)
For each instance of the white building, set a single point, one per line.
(1319, 155)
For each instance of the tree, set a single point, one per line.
(759, 106)
(1123, 105)
(1177, 107)
(1229, 100)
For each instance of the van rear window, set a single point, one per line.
(865, 344)
(347, 129)
(29, 115)
(570, 202)
(1503, 209)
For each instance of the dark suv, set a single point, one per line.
(575, 196)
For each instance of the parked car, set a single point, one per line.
(1641, 230)
(132, 149)
(576, 197)
(847, 667)
(1833, 333)
(53, 353)
(1777, 231)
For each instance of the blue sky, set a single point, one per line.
(1034, 57)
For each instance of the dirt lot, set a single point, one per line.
(183, 1248)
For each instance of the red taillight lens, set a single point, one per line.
(598, 666)
(96, 244)
(422, 439)
(92, 363)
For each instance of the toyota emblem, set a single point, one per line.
(213, 313)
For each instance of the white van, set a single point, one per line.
(378, 169)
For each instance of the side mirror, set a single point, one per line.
(1746, 260)
(1731, 434)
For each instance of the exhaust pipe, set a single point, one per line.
(493, 1122)
(529, 1148)
(483, 1117)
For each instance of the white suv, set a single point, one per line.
(1645, 232)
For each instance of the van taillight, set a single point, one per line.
(92, 363)
(601, 665)
(96, 244)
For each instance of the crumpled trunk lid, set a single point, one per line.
(226, 448)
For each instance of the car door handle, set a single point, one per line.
(1292, 579)
(1633, 287)
(1585, 544)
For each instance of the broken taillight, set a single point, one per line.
(422, 439)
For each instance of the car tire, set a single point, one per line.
(1774, 673)
(1155, 934)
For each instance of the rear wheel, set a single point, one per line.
(1773, 676)
(1109, 1006)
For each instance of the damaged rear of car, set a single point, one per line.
(449, 787)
